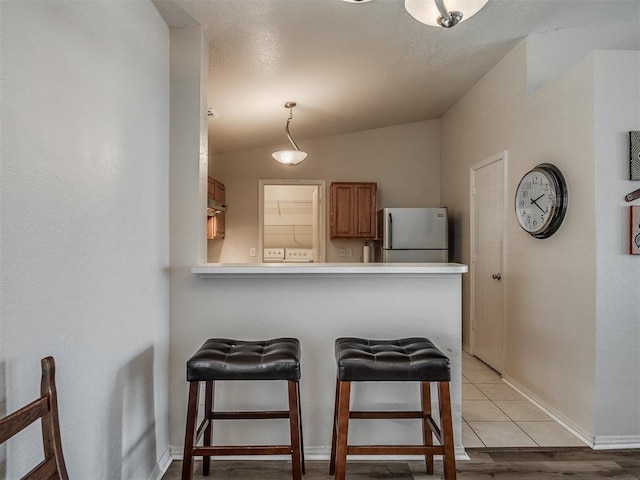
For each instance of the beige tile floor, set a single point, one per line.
(495, 415)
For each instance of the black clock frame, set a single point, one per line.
(562, 199)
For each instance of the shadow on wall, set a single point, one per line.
(455, 238)
(132, 429)
(3, 413)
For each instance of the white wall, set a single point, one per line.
(188, 200)
(575, 43)
(572, 300)
(84, 240)
(404, 160)
(617, 106)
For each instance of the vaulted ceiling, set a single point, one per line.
(356, 66)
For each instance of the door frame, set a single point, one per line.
(322, 214)
(502, 156)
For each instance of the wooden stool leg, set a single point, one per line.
(427, 435)
(446, 425)
(208, 411)
(343, 430)
(294, 424)
(334, 437)
(190, 431)
(304, 470)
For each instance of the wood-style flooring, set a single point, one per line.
(503, 464)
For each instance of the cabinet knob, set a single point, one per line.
(496, 276)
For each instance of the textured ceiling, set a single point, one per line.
(354, 67)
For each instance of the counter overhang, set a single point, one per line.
(210, 270)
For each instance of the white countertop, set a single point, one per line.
(314, 269)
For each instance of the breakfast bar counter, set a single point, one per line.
(318, 303)
(289, 269)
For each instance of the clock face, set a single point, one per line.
(541, 201)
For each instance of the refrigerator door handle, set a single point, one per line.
(390, 231)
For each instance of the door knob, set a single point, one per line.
(496, 276)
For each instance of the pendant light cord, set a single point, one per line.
(286, 129)
(447, 19)
(444, 13)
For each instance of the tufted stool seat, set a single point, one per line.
(228, 359)
(403, 360)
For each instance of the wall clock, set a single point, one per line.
(541, 200)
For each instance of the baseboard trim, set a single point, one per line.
(575, 429)
(598, 442)
(323, 453)
(162, 466)
(616, 442)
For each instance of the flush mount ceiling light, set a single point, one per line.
(289, 157)
(437, 14)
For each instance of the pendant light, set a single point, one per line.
(436, 13)
(289, 157)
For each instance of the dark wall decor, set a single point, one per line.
(634, 141)
(635, 230)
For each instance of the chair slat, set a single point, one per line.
(46, 470)
(21, 419)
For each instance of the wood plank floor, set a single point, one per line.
(503, 464)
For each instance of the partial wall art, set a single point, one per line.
(635, 230)
(634, 147)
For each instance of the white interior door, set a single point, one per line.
(487, 239)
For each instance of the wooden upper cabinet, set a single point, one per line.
(342, 200)
(215, 224)
(353, 210)
(366, 196)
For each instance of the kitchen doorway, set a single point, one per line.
(292, 221)
(487, 261)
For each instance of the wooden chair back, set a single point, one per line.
(46, 409)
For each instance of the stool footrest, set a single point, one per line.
(385, 414)
(394, 450)
(248, 415)
(243, 450)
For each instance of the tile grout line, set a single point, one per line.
(498, 407)
(476, 433)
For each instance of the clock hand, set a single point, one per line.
(533, 202)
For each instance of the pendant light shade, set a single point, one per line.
(289, 157)
(438, 14)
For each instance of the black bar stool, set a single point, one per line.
(226, 359)
(403, 360)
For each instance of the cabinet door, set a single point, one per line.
(218, 194)
(365, 196)
(353, 210)
(342, 210)
(215, 224)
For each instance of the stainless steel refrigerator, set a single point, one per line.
(408, 235)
